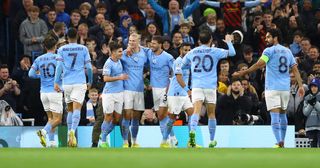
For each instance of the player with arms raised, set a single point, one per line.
(204, 60)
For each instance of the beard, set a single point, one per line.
(235, 92)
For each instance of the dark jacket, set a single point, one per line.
(228, 107)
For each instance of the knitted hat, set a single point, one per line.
(208, 11)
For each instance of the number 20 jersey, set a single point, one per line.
(280, 60)
(46, 65)
(204, 61)
(73, 57)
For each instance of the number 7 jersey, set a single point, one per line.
(279, 60)
(204, 61)
(74, 57)
(46, 66)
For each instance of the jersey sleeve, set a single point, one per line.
(292, 60)
(186, 60)
(170, 61)
(35, 65)
(219, 53)
(59, 55)
(266, 55)
(177, 67)
(107, 69)
(87, 58)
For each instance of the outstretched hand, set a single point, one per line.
(228, 38)
(238, 74)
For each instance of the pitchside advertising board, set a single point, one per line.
(150, 137)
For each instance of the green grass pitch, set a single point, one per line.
(162, 158)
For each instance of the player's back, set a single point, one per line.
(204, 61)
(46, 65)
(277, 68)
(74, 57)
(133, 66)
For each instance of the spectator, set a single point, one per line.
(313, 57)
(311, 110)
(234, 103)
(152, 17)
(103, 10)
(220, 33)
(295, 45)
(9, 89)
(149, 118)
(98, 58)
(85, 14)
(75, 19)
(7, 116)
(211, 20)
(62, 16)
(168, 47)
(51, 18)
(58, 31)
(124, 25)
(83, 33)
(305, 46)
(177, 40)
(294, 101)
(185, 29)
(138, 14)
(251, 93)
(32, 32)
(232, 11)
(173, 16)
(151, 30)
(89, 109)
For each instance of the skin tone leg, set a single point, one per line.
(211, 108)
(162, 113)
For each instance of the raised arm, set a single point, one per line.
(252, 3)
(157, 8)
(213, 3)
(188, 11)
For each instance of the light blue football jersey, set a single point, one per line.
(160, 68)
(74, 58)
(204, 61)
(113, 69)
(277, 68)
(175, 89)
(133, 66)
(46, 65)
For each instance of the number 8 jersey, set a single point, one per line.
(74, 58)
(204, 62)
(279, 60)
(46, 65)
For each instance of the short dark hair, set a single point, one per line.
(114, 45)
(205, 37)
(157, 38)
(49, 42)
(275, 33)
(4, 66)
(72, 33)
(101, 5)
(75, 11)
(235, 79)
(185, 45)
